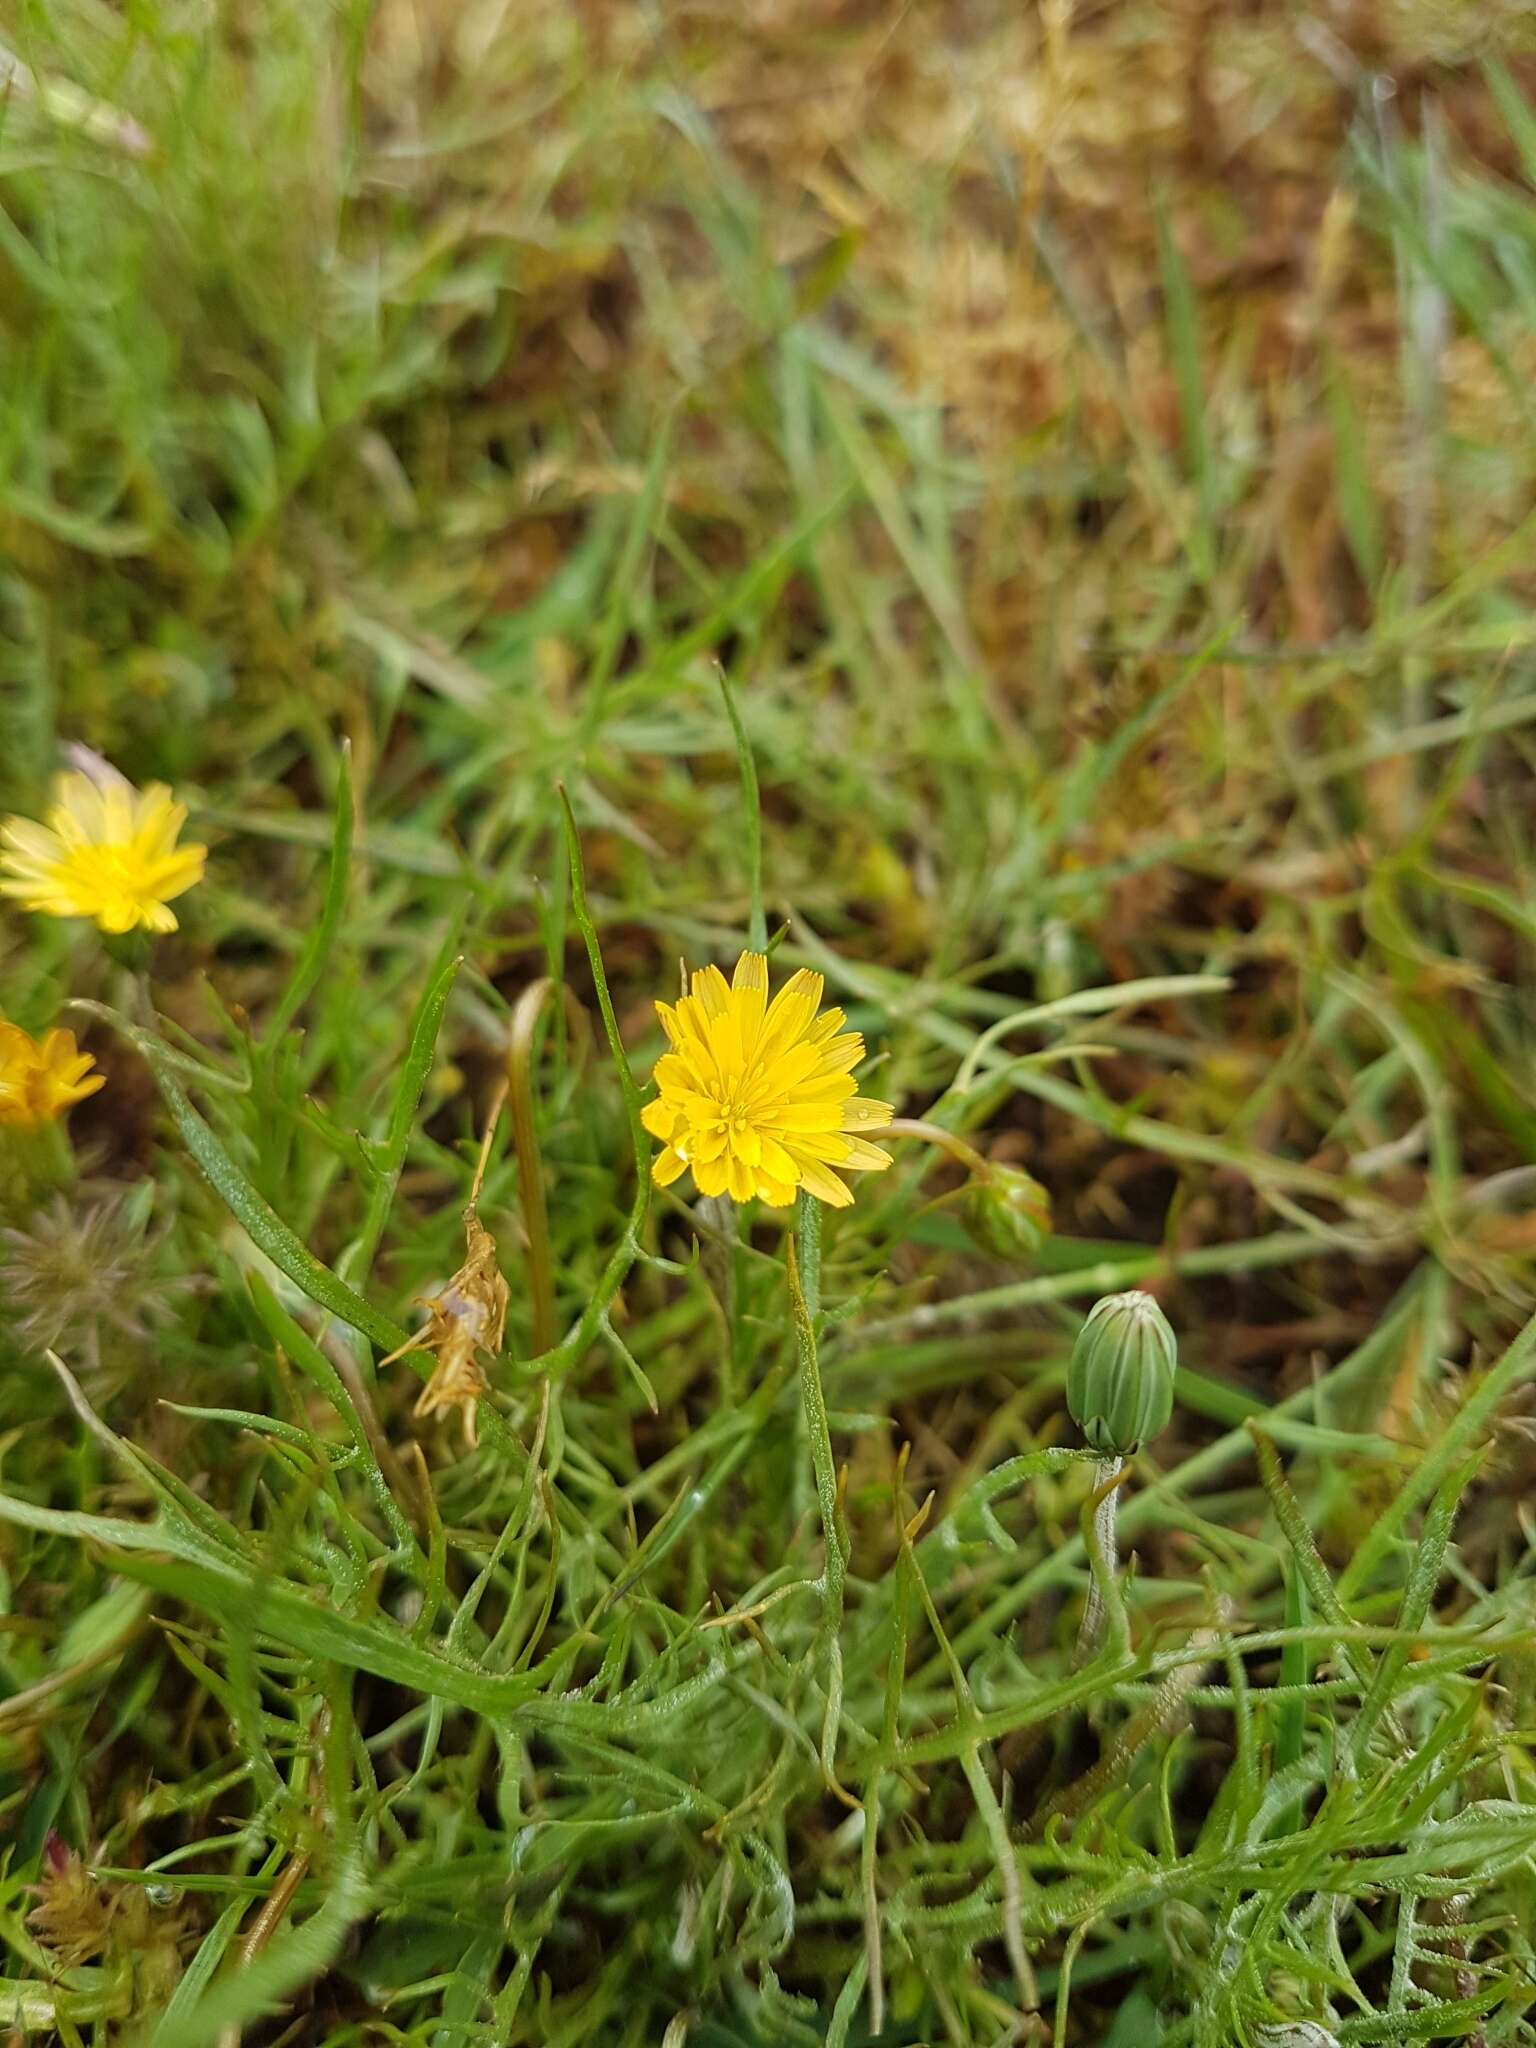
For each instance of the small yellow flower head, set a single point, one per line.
(757, 1097)
(41, 1077)
(106, 851)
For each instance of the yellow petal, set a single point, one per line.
(751, 975)
(802, 985)
(793, 1118)
(693, 1023)
(828, 1145)
(775, 1161)
(711, 992)
(865, 1113)
(660, 1119)
(667, 1167)
(793, 1009)
(824, 1185)
(726, 1043)
(747, 1144)
(840, 1054)
(673, 1072)
(33, 841)
(749, 998)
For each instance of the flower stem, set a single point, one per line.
(573, 1345)
(1107, 1563)
(935, 1134)
(530, 1169)
(722, 1266)
(808, 1252)
(752, 820)
(804, 1271)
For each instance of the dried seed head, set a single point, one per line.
(71, 1917)
(79, 1270)
(467, 1318)
(79, 1916)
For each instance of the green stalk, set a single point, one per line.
(575, 1344)
(752, 812)
(808, 1251)
(530, 1168)
(256, 1216)
(803, 1266)
(1295, 1672)
(1103, 1557)
(317, 947)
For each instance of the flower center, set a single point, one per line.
(115, 874)
(734, 1116)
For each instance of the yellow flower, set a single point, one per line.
(106, 851)
(757, 1097)
(41, 1077)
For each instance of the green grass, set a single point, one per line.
(1099, 461)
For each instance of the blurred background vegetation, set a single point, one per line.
(1096, 443)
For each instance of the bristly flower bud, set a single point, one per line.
(1120, 1380)
(1007, 1212)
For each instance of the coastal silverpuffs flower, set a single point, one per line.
(757, 1097)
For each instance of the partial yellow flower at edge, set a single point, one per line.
(757, 1098)
(106, 851)
(41, 1077)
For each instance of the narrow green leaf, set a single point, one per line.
(316, 954)
(294, 1958)
(389, 1157)
(199, 1973)
(425, 1026)
(621, 604)
(751, 818)
(261, 1223)
(1515, 108)
(245, 1418)
(1290, 1715)
(848, 2002)
(1423, 1577)
(627, 1250)
(1184, 346)
(1308, 1558)
(1358, 514)
(1451, 1447)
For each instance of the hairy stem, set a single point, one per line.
(935, 1134)
(804, 1271)
(530, 1168)
(1107, 1543)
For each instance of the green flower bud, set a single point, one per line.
(1120, 1381)
(1007, 1213)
